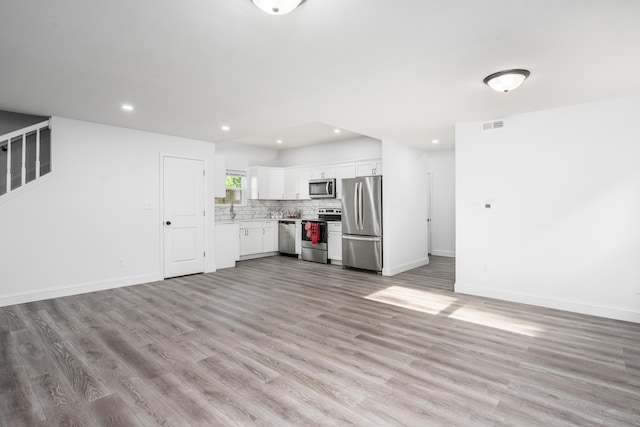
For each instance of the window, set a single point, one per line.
(235, 194)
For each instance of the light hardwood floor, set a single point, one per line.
(283, 342)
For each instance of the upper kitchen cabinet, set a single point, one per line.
(296, 184)
(221, 177)
(345, 170)
(266, 183)
(321, 172)
(373, 167)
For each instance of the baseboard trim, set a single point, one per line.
(448, 254)
(260, 255)
(405, 267)
(44, 294)
(575, 306)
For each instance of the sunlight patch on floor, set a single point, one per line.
(494, 320)
(413, 299)
(433, 303)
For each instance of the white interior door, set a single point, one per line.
(183, 189)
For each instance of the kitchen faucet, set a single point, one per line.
(233, 212)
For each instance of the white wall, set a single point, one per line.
(404, 209)
(564, 227)
(441, 165)
(340, 151)
(240, 156)
(65, 235)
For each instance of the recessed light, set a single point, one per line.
(435, 141)
(127, 107)
(225, 128)
(278, 141)
(337, 131)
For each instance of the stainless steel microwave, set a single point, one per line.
(322, 188)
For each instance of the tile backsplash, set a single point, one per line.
(260, 209)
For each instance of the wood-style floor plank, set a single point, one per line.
(283, 342)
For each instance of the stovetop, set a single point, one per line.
(330, 214)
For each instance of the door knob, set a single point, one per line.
(168, 223)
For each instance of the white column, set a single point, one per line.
(23, 169)
(38, 154)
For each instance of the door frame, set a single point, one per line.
(161, 216)
(429, 212)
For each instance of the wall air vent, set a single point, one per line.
(498, 124)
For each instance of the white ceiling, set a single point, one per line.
(405, 70)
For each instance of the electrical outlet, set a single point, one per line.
(120, 262)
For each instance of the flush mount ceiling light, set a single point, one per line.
(277, 7)
(504, 81)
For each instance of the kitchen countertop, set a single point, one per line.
(238, 221)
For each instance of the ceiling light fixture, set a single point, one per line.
(337, 131)
(435, 141)
(278, 141)
(505, 81)
(127, 107)
(277, 7)
(225, 128)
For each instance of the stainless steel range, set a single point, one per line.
(314, 234)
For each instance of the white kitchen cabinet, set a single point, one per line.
(276, 184)
(227, 245)
(221, 177)
(324, 171)
(266, 183)
(334, 242)
(251, 237)
(373, 167)
(270, 236)
(299, 238)
(258, 237)
(344, 170)
(296, 184)
(291, 184)
(304, 175)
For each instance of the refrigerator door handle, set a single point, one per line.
(361, 208)
(361, 238)
(355, 203)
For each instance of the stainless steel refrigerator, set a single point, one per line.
(362, 222)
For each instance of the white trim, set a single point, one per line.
(81, 288)
(575, 306)
(9, 136)
(405, 267)
(28, 186)
(210, 268)
(258, 255)
(448, 254)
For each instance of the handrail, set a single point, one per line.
(20, 132)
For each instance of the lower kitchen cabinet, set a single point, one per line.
(227, 246)
(270, 236)
(258, 237)
(334, 242)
